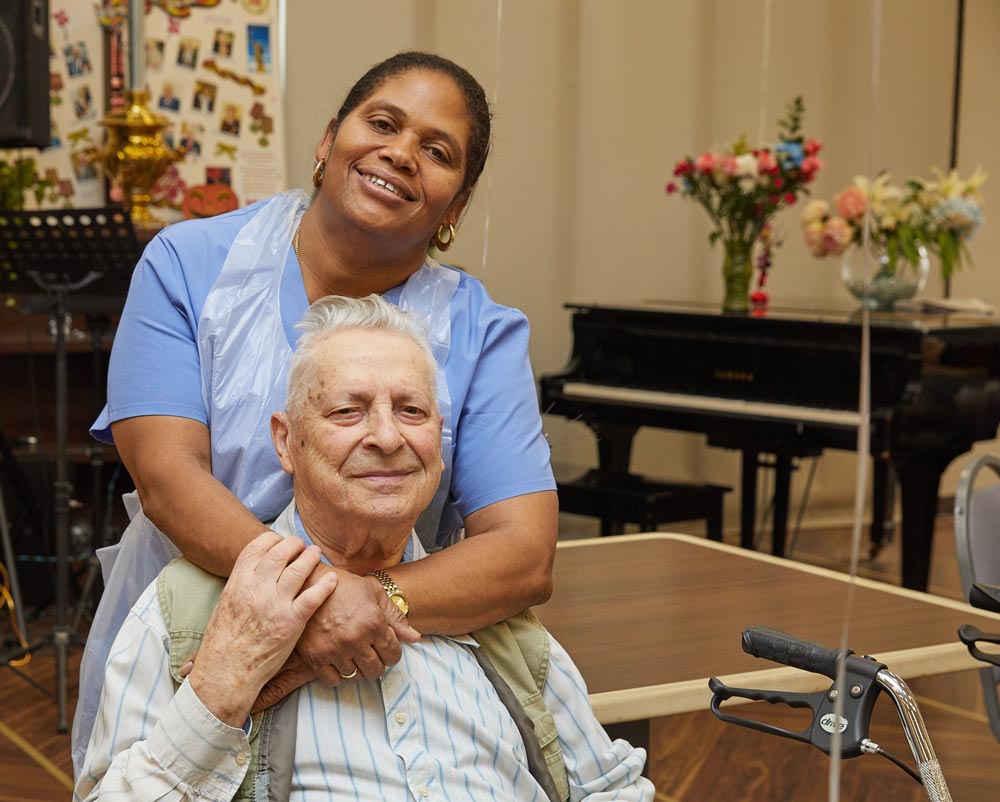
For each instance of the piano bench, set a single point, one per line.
(627, 498)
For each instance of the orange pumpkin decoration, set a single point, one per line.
(208, 200)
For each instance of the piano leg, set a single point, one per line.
(614, 454)
(883, 502)
(919, 479)
(782, 490)
(748, 497)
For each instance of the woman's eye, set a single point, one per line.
(437, 153)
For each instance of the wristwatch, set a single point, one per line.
(392, 591)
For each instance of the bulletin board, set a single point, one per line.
(77, 96)
(211, 70)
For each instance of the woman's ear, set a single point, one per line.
(326, 143)
(454, 212)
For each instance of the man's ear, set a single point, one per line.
(280, 433)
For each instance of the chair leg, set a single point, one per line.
(713, 521)
(989, 677)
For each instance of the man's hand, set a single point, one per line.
(260, 616)
(357, 630)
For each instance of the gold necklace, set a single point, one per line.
(295, 240)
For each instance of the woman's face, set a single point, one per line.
(397, 162)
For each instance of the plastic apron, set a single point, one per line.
(245, 357)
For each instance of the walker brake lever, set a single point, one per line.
(722, 692)
(971, 636)
(853, 723)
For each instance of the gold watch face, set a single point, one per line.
(400, 601)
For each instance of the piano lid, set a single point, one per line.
(848, 315)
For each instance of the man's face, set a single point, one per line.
(366, 441)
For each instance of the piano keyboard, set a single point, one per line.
(700, 403)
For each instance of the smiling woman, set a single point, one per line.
(202, 353)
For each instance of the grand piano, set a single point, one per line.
(787, 384)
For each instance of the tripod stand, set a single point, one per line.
(62, 253)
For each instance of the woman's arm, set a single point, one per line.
(169, 459)
(503, 566)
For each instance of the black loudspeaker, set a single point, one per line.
(24, 74)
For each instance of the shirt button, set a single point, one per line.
(423, 790)
(400, 718)
(241, 758)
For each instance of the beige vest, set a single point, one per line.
(514, 655)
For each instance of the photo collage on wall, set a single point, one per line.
(211, 71)
(77, 97)
(213, 74)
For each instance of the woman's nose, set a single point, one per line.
(401, 151)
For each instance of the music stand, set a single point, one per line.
(61, 252)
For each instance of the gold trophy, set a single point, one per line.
(135, 155)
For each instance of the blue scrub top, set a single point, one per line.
(499, 449)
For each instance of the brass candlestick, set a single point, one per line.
(135, 154)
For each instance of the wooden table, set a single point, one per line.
(649, 618)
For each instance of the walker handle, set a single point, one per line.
(779, 647)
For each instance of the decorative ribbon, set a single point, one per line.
(242, 80)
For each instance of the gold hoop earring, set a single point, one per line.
(318, 172)
(444, 244)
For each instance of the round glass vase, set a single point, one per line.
(737, 270)
(887, 281)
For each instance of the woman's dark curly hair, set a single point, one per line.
(475, 100)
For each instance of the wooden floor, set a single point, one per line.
(694, 757)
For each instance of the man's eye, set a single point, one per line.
(382, 125)
(413, 412)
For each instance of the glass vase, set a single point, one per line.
(887, 281)
(737, 270)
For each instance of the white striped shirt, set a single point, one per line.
(432, 728)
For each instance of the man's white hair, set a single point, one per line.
(333, 314)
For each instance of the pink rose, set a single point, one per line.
(810, 166)
(811, 147)
(706, 162)
(728, 165)
(851, 203)
(766, 162)
(837, 236)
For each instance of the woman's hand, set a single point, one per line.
(356, 629)
(261, 614)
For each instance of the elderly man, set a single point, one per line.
(361, 437)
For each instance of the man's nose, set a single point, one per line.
(401, 151)
(383, 431)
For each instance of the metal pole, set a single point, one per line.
(62, 492)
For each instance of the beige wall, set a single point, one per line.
(596, 99)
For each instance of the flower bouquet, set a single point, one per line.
(954, 207)
(741, 188)
(903, 225)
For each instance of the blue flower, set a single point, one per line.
(961, 215)
(789, 154)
